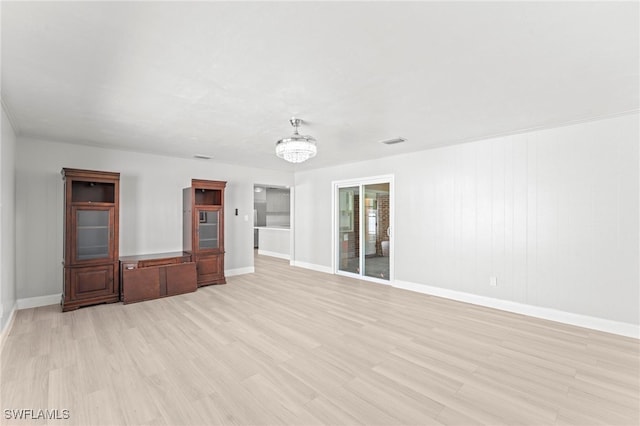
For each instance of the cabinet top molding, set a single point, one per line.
(213, 184)
(67, 172)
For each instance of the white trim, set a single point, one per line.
(292, 223)
(312, 266)
(36, 302)
(334, 227)
(362, 277)
(239, 271)
(8, 326)
(600, 324)
(375, 280)
(363, 180)
(274, 254)
(535, 129)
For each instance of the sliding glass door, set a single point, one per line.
(377, 231)
(349, 230)
(363, 221)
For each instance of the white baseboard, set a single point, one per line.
(273, 254)
(8, 325)
(36, 302)
(600, 324)
(312, 266)
(239, 271)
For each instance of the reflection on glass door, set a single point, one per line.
(208, 232)
(349, 229)
(377, 229)
(93, 232)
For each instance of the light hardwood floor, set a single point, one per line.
(292, 346)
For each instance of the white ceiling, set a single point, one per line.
(223, 79)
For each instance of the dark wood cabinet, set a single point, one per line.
(211, 269)
(203, 229)
(91, 282)
(147, 277)
(91, 208)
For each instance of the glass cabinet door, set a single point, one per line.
(93, 234)
(208, 229)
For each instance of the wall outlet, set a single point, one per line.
(493, 281)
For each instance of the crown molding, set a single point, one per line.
(535, 129)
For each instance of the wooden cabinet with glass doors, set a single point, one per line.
(91, 205)
(203, 229)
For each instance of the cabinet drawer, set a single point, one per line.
(157, 262)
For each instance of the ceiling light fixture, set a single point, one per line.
(296, 148)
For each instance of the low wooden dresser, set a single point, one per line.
(151, 276)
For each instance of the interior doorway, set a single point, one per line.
(363, 219)
(272, 220)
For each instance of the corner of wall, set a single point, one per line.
(6, 323)
(8, 290)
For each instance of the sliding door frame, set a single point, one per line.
(335, 253)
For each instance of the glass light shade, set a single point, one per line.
(297, 148)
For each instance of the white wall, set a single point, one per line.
(274, 242)
(553, 214)
(7, 222)
(150, 206)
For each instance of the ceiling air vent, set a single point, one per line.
(202, 157)
(393, 141)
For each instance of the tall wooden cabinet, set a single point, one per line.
(91, 206)
(203, 229)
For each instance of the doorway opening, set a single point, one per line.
(272, 221)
